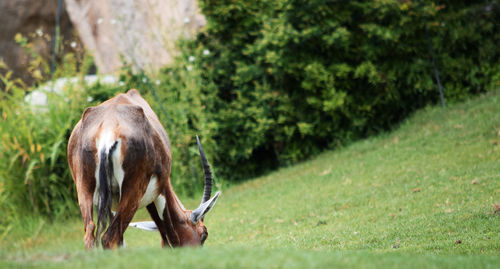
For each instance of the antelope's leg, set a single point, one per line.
(153, 212)
(85, 201)
(132, 191)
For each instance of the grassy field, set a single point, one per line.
(421, 196)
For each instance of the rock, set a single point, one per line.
(140, 32)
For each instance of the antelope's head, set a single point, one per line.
(183, 227)
(194, 231)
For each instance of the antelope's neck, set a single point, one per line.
(172, 213)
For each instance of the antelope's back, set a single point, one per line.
(127, 117)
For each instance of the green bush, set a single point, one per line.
(285, 79)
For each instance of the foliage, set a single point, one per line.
(286, 79)
(420, 196)
(34, 173)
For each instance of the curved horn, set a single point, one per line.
(207, 191)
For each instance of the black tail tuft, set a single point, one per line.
(104, 198)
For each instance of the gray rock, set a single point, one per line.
(140, 32)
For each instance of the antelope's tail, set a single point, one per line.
(104, 196)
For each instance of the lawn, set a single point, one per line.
(420, 196)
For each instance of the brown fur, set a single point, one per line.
(145, 152)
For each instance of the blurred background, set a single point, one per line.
(265, 84)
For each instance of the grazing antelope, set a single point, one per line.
(120, 159)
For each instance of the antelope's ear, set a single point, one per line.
(203, 209)
(144, 225)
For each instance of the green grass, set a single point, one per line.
(421, 196)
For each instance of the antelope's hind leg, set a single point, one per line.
(132, 192)
(85, 201)
(86, 209)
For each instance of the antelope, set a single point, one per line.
(120, 160)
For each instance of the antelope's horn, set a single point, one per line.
(207, 191)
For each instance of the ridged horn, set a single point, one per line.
(207, 190)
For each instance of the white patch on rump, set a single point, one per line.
(104, 142)
(150, 194)
(160, 203)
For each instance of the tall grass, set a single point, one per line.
(34, 174)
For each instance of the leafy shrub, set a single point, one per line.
(286, 79)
